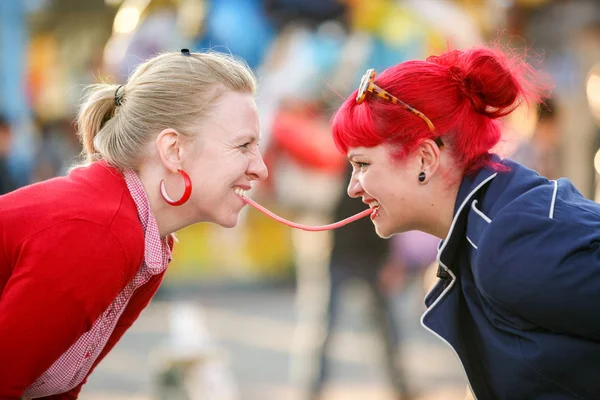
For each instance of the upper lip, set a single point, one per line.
(369, 201)
(243, 187)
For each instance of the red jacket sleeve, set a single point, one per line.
(63, 278)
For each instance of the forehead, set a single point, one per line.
(365, 151)
(236, 114)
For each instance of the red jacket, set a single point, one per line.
(68, 246)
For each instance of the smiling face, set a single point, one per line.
(389, 185)
(225, 158)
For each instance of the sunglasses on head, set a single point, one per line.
(367, 85)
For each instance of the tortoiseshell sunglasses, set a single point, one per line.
(367, 85)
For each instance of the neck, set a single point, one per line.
(169, 218)
(440, 211)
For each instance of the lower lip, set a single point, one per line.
(375, 214)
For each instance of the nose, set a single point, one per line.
(354, 187)
(257, 168)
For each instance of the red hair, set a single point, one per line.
(462, 92)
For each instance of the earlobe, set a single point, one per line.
(430, 157)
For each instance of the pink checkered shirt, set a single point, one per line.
(71, 368)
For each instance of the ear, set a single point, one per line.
(429, 158)
(169, 144)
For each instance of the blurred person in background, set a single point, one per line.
(414, 251)
(57, 149)
(359, 254)
(519, 288)
(240, 26)
(82, 255)
(541, 152)
(7, 182)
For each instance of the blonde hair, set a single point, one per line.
(172, 90)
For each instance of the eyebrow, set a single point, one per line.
(352, 155)
(250, 137)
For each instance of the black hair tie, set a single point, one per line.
(185, 52)
(118, 97)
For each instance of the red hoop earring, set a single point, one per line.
(186, 193)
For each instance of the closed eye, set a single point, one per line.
(360, 165)
(250, 147)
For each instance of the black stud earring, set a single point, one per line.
(422, 177)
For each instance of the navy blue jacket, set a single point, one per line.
(519, 294)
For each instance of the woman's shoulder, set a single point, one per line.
(534, 236)
(522, 191)
(91, 200)
(527, 206)
(93, 193)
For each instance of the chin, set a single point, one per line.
(387, 231)
(229, 222)
(383, 232)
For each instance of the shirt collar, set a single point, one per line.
(157, 250)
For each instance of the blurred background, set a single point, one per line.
(262, 311)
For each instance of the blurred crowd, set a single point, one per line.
(308, 55)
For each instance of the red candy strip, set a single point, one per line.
(284, 221)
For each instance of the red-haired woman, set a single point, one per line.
(518, 298)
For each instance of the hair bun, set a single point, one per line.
(492, 80)
(489, 83)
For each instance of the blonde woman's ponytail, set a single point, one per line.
(97, 108)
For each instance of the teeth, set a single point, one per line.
(374, 204)
(240, 192)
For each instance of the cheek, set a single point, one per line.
(221, 178)
(226, 169)
(376, 185)
(392, 195)
(235, 167)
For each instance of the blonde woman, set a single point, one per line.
(82, 255)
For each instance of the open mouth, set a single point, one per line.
(240, 192)
(374, 205)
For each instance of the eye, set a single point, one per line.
(245, 146)
(360, 165)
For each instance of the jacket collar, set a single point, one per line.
(470, 188)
